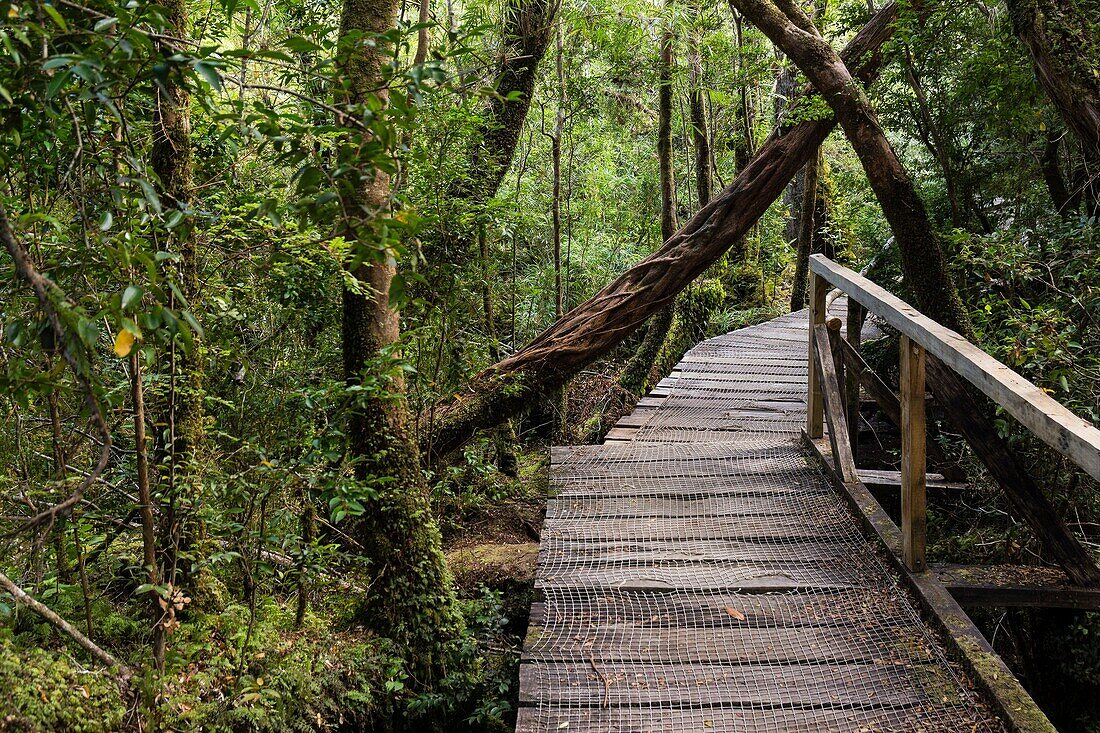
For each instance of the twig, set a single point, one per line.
(25, 599)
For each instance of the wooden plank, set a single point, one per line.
(892, 479)
(834, 686)
(634, 420)
(914, 502)
(1015, 586)
(746, 378)
(1052, 423)
(549, 719)
(638, 506)
(745, 578)
(833, 400)
(568, 552)
(625, 434)
(724, 528)
(864, 608)
(702, 645)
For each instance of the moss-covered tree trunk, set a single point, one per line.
(1061, 41)
(172, 162)
(411, 598)
(635, 376)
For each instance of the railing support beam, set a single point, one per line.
(815, 415)
(914, 506)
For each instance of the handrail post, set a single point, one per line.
(854, 332)
(815, 416)
(914, 507)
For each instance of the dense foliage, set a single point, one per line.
(189, 179)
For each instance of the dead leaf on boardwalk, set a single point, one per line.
(735, 613)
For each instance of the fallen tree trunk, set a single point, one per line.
(599, 324)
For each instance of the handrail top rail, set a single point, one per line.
(1050, 421)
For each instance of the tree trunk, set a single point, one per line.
(555, 154)
(808, 224)
(411, 598)
(923, 264)
(635, 376)
(172, 161)
(505, 438)
(528, 27)
(697, 107)
(1052, 175)
(593, 328)
(922, 254)
(145, 510)
(1059, 39)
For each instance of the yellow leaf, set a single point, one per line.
(124, 343)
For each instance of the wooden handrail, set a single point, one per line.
(1072, 436)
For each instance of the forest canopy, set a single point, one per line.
(297, 294)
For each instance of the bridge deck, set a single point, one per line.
(699, 574)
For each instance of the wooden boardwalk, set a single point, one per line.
(698, 573)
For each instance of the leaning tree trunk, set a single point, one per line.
(924, 266)
(593, 328)
(1059, 38)
(528, 27)
(635, 376)
(411, 598)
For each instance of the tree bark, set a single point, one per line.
(923, 264)
(411, 599)
(555, 154)
(635, 376)
(807, 225)
(1063, 51)
(596, 326)
(145, 510)
(697, 107)
(528, 27)
(1052, 175)
(172, 161)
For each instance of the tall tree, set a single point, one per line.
(697, 106)
(527, 29)
(635, 376)
(411, 597)
(809, 224)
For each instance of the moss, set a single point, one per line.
(44, 692)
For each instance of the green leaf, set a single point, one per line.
(150, 193)
(106, 222)
(131, 295)
(210, 74)
(105, 25)
(52, 12)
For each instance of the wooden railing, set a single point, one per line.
(837, 371)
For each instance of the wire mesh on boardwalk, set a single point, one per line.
(705, 577)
